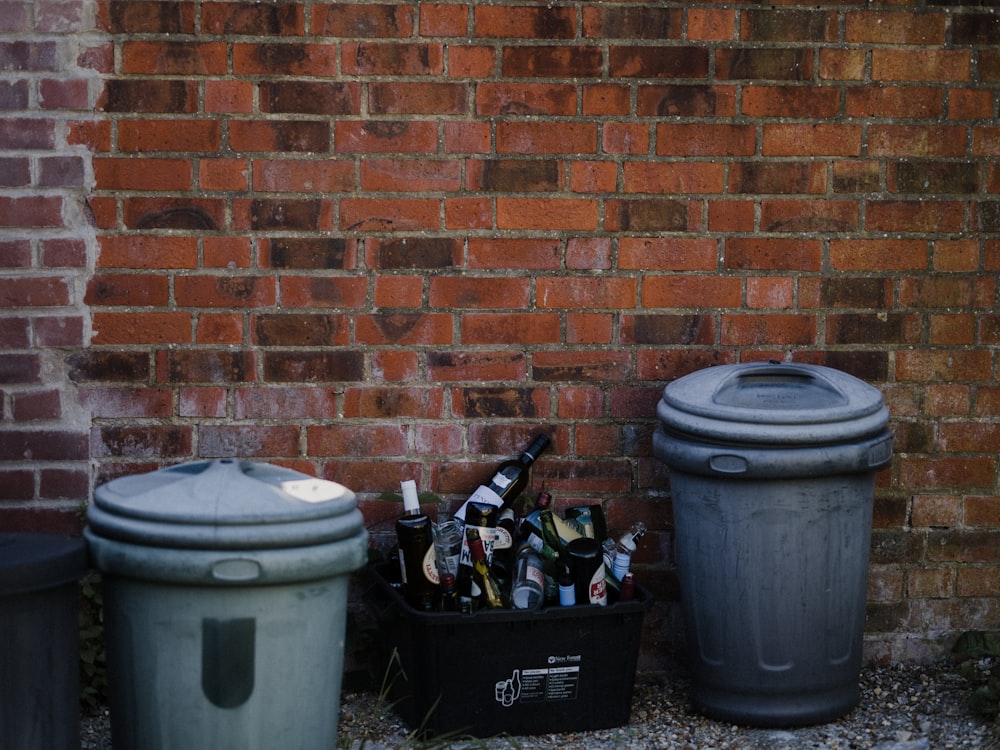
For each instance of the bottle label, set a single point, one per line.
(501, 481)
(598, 587)
(481, 495)
(430, 567)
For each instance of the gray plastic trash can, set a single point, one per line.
(772, 475)
(225, 605)
(40, 641)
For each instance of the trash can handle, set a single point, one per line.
(236, 569)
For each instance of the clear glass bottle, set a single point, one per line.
(529, 580)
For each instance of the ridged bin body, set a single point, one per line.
(772, 476)
(39, 641)
(225, 605)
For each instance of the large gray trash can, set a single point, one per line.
(772, 475)
(225, 605)
(40, 641)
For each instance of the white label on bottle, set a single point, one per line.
(502, 538)
(430, 566)
(481, 495)
(501, 481)
(598, 587)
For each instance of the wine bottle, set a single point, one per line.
(492, 596)
(588, 571)
(509, 480)
(529, 582)
(482, 519)
(627, 545)
(449, 593)
(413, 536)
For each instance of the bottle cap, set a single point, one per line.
(476, 549)
(410, 501)
(447, 581)
(544, 500)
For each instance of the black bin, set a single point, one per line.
(39, 641)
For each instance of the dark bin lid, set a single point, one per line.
(33, 562)
(224, 504)
(772, 404)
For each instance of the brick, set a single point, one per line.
(356, 440)
(300, 329)
(969, 104)
(525, 99)
(982, 510)
(63, 252)
(502, 252)
(364, 20)
(501, 402)
(19, 133)
(114, 328)
(64, 484)
(270, 19)
(28, 56)
(770, 292)
(524, 22)
(229, 96)
(791, 101)
(648, 215)
(151, 17)
(14, 94)
(402, 215)
(43, 445)
(627, 61)
(127, 289)
(705, 139)
(691, 291)
(958, 545)
(15, 172)
(300, 175)
(457, 292)
(668, 329)
(283, 214)
(588, 253)
(674, 177)
(989, 65)
(686, 100)
(548, 61)
(15, 253)
(466, 137)
(399, 291)
(313, 366)
(895, 27)
(284, 403)
(415, 252)
(873, 328)
(935, 583)
(776, 64)
(667, 254)
(387, 59)
(14, 17)
(149, 96)
(915, 216)
(468, 213)
(308, 253)
(919, 141)
(392, 365)
(72, 94)
(731, 216)
(946, 292)
(933, 177)
(224, 174)
(224, 291)
(174, 213)
(313, 292)
(136, 403)
(903, 102)
(948, 400)
(925, 64)
(475, 366)
(876, 254)
(403, 98)
(632, 22)
(303, 136)
(310, 97)
(173, 58)
(251, 441)
(470, 61)
(104, 366)
(147, 252)
(773, 254)
(515, 175)
(975, 28)
(580, 403)
(204, 366)
(588, 328)
(288, 59)
(404, 328)
(599, 293)
(113, 173)
(788, 25)
(953, 366)
(605, 99)
(443, 20)
(541, 138)
(417, 175)
(510, 328)
(580, 366)
(841, 64)
(774, 330)
(219, 328)
(385, 136)
(393, 403)
(812, 140)
(967, 437)
(546, 214)
(34, 211)
(19, 369)
(150, 136)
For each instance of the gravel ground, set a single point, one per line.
(903, 707)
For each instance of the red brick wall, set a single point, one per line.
(383, 241)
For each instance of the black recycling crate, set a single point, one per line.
(558, 669)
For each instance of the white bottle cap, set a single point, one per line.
(411, 503)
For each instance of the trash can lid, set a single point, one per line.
(224, 504)
(772, 403)
(33, 562)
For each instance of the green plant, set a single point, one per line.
(93, 667)
(978, 653)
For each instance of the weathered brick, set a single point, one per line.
(503, 252)
(873, 328)
(250, 441)
(148, 136)
(365, 20)
(127, 289)
(581, 366)
(393, 403)
(151, 17)
(673, 177)
(381, 58)
(173, 58)
(454, 292)
(253, 18)
(385, 136)
(520, 328)
(142, 95)
(505, 98)
(552, 62)
(788, 25)
(287, 58)
(775, 254)
(417, 175)
(516, 175)
(524, 21)
(354, 440)
(791, 101)
(501, 402)
(15, 171)
(288, 214)
(394, 215)
(310, 97)
(404, 98)
(415, 252)
(309, 253)
(43, 445)
(924, 64)
(300, 136)
(404, 328)
(775, 64)
(691, 291)
(174, 213)
(547, 214)
(327, 366)
(774, 330)
(475, 366)
(300, 329)
(658, 62)
(14, 94)
(28, 56)
(647, 215)
(941, 365)
(668, 330)
(316, 291)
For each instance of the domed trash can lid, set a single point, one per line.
(765, 403)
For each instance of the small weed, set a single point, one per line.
(978, 653)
